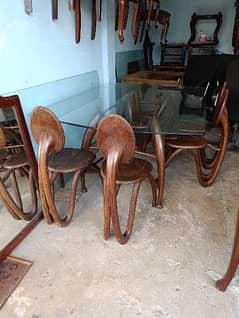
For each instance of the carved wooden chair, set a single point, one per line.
(207, 165)
(116, 141)
(54, 160)
(11, 161)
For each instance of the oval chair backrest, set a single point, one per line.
(115, 134)
(220, 105)
(43, 121)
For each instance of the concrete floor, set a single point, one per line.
(167, 269)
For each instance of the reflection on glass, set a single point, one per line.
(17, 187)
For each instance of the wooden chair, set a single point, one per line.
(54, 160)
(11, 161)
(116, 142)
(234, 262)
(207, 165)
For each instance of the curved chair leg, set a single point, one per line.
(153, 188)
(234, 262)
(52, 207)
(62, 181)
(83, 182)
(18, 198)
(16, 211)
(217, 160)
(107, 214)
(123, 238)
(160, 158)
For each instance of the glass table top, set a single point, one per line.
(139, 104)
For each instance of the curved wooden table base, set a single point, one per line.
(234, 262)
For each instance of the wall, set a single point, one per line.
(34, 49)
(127, 51)
(181, 12)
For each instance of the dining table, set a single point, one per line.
(166, 78)
(152, 110)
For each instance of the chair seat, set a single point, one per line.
(187, 142)
(133, 171)
(69, 160)
(19, 160)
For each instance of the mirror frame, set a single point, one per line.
(14, 103)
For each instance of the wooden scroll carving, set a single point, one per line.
(96, 8)
(93, 26)
(121, 19)
(150, 8)
(235, 37)
(144, 11)
(136, 20)
(78, 21)
(197, 17)
(54, 9)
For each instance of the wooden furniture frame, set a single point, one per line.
(195, 18)
(13, 161)
(54, 160)
(144, 11)
(207, 168)
(14, 102)
(116, 142)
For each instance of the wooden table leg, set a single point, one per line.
(234, 262)
(159, 149)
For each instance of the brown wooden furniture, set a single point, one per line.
(173, 55)
(234, 262)
(144, 12)
(116, 142)
(11, 162)
(204, 46)
(162, 78)
(53, 160)
(207, 166)
(13, 103)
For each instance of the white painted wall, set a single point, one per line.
(34, 49)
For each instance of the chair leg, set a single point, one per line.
(234, 262)
(62, 180)
(16, 190)
(13, 207)
(153, 188)
(158, 143)
(123, 238)
(83, 183)
(107, 214)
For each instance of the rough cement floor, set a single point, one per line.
(167, 269)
